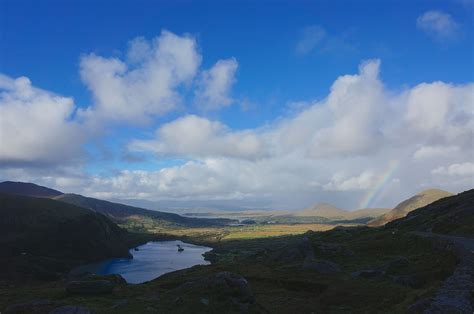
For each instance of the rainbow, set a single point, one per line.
(382, 182)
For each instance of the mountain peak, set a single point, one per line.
(325, 210)
(421, 199)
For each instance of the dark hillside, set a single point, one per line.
(33, 230)
(452, 215)
(120, 212)
(27, 189)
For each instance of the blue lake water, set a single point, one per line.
(152, 260)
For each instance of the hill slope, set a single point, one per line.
(452, 215)
(401, 210)
(322, 210)
(120, 212)
(27, 189)
(40, 235)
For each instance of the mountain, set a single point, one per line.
(331, 212)
(401, 210)
(27, 189)
(41, 236)
(323, 210)
(120, 212)
(452, 215)
(367, 213)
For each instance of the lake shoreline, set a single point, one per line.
(148, 261)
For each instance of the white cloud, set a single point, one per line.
(292, 162)
(145, 86)
(352, 133)
(36, 126)
(215, 85)
(310, 37)
(461, 169)
(439, 25)
(339, 182)
(199, 137)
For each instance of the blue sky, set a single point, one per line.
(287, 57)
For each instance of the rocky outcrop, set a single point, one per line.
(295, 253)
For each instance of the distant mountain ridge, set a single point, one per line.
(331, 212)
(402, 209)
(116, 211)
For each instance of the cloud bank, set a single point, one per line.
(340, 148)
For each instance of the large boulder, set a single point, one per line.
(90, 287)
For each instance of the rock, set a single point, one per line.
(71, 309)
(322, 266)
(223, 286)
(302, 251)
(35, 306)
(92, 287)
(368, 273)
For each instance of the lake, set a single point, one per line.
(152, 260)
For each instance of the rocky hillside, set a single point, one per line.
(401, 210)
(452, 215)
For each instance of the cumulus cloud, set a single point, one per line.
(340, 143)
(339, 182)
(144, 85)
(348, 122)
(439, 25)
(215, 85)
(36, 126)
(194, 136)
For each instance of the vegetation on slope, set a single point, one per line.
(44, 237)
(401, 210)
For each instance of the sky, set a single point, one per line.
(263, 105)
